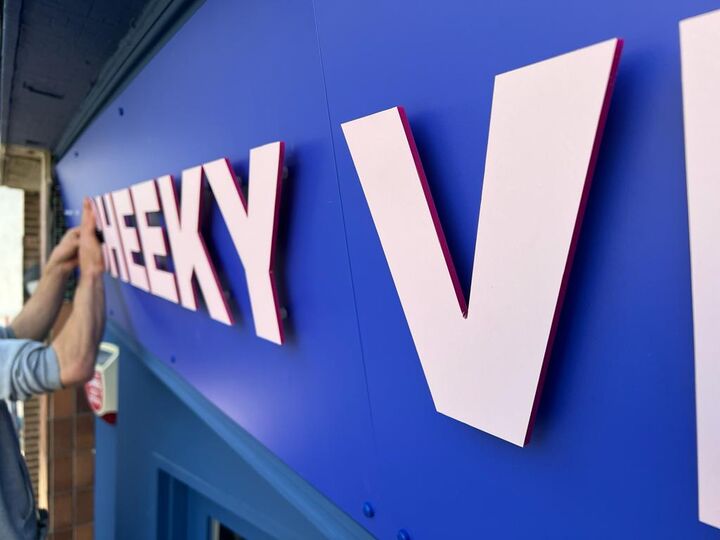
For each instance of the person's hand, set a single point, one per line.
(90, 254)
(64, 258)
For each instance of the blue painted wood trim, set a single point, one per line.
(321, 512)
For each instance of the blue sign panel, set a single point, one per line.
(344, 401)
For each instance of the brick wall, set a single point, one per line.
(71, 461)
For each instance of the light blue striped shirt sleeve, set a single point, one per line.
(27, 367)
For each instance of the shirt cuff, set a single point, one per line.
(53, 369)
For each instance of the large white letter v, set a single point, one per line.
(484, 364)
(700, 53)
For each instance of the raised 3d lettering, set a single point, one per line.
(484, 364)
(154, 243)
(253, 228)
(700, 54)
(252, 225)
(111, 234)
(129, 237)
(189, 252)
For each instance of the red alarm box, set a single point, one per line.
(101, 390)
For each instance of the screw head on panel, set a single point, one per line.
(368, 510)
(403, 535)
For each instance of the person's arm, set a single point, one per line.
(37, 316)
(77, 344)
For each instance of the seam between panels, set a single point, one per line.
(345, 234)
